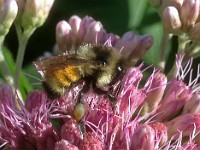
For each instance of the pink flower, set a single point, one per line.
(184, 123)
(161, 133)
(65, 145)
(25, 128)
(143, 138)
(104, 124)
(70, 131)
(176, 96)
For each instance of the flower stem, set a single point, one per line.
(3, 65)
(182, 41)
(23, 40)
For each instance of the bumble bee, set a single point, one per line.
(99, 64)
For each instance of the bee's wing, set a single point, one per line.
(60, 62)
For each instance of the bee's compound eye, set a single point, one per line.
(103, 63)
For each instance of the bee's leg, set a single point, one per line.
(82, 128)
(112, 95)
(79, 110)
(85, 89)
(78, 115)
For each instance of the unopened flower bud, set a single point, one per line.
(134, 46)
(156, 91)
(35, 99)
(75, 22)
(8, 12)
(70, 131)
(177, 90)
(85, 23)
(127, 43)
(161, 133)
(94, 29)
(171, 20)
(132, 77)
(130, 96)
(64, 35)
(189, 12)
(144, 43)
(129, 102)
(193, 105)
(195, 32)
(177, 94)
(143, 138)
(189, 146)
(186, 124)
(92, 141)
(34, 12)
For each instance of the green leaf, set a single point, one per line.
(136, 12)
(153, 54)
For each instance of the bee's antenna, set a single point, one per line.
(32, 76)
(36, 84)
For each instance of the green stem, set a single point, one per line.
(182, 41)
(23, 40)
(3, 65)
(20, 58)
(163, 48)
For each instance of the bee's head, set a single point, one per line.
(112, 71)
